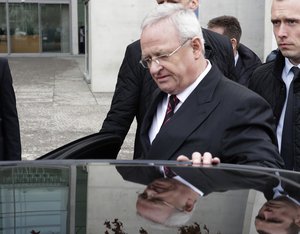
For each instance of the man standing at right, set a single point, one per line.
(279, 83)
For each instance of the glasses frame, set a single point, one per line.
(146, 62)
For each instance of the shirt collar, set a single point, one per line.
(185, 93)
(288, 66)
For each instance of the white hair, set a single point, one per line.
(183, 19)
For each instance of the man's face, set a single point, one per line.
(276, 216)
(173, 74)
(163, 197)
(285, 16)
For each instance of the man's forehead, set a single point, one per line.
(285, 7)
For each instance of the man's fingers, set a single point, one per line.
(196, 158)
(183, 158)
(207, 158)
(216, 161)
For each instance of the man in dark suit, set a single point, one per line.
(278, 81)
(213, 114)
(246, 61)
(10, 145)
(135, 85)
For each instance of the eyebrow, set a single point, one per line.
(284, 19)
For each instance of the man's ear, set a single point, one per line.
(234, 43)
(197, 45)
(194, 4)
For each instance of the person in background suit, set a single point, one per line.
(279, 82)
(246, 61)
(10, 143)
(213, 114)
(135, 86)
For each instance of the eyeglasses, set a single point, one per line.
(146, 62)
(159, 201)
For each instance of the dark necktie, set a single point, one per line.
(287, 140)
(168, 172)
(173, 101)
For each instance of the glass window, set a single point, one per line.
(3, 29)
(24, 28)
(55, 28)
(34, 200)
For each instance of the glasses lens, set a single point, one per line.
(144, 63)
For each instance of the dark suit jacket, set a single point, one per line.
(10, 145)
(135, 85)
(248, 61)
(219, 51)
(221, 117)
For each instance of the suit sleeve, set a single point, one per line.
(10, 123)
(125, 102)
(251, 137)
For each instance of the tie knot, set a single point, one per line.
(296, 71)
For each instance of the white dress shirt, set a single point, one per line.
(162, 107)
(236, 58)
(161, 112)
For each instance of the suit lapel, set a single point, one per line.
(193, 112)
(157, 97)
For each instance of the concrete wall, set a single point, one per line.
(251, 15)
(112, 28)
(74, 27)
(270, 42)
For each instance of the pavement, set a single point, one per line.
(56, 105)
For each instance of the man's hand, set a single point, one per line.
(198, 159)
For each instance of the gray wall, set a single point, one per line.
(113, 28)
(251, 15)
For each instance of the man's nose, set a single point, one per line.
(267, 213)
(155, 66)
(282, 31)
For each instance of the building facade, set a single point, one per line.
(39, 26)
